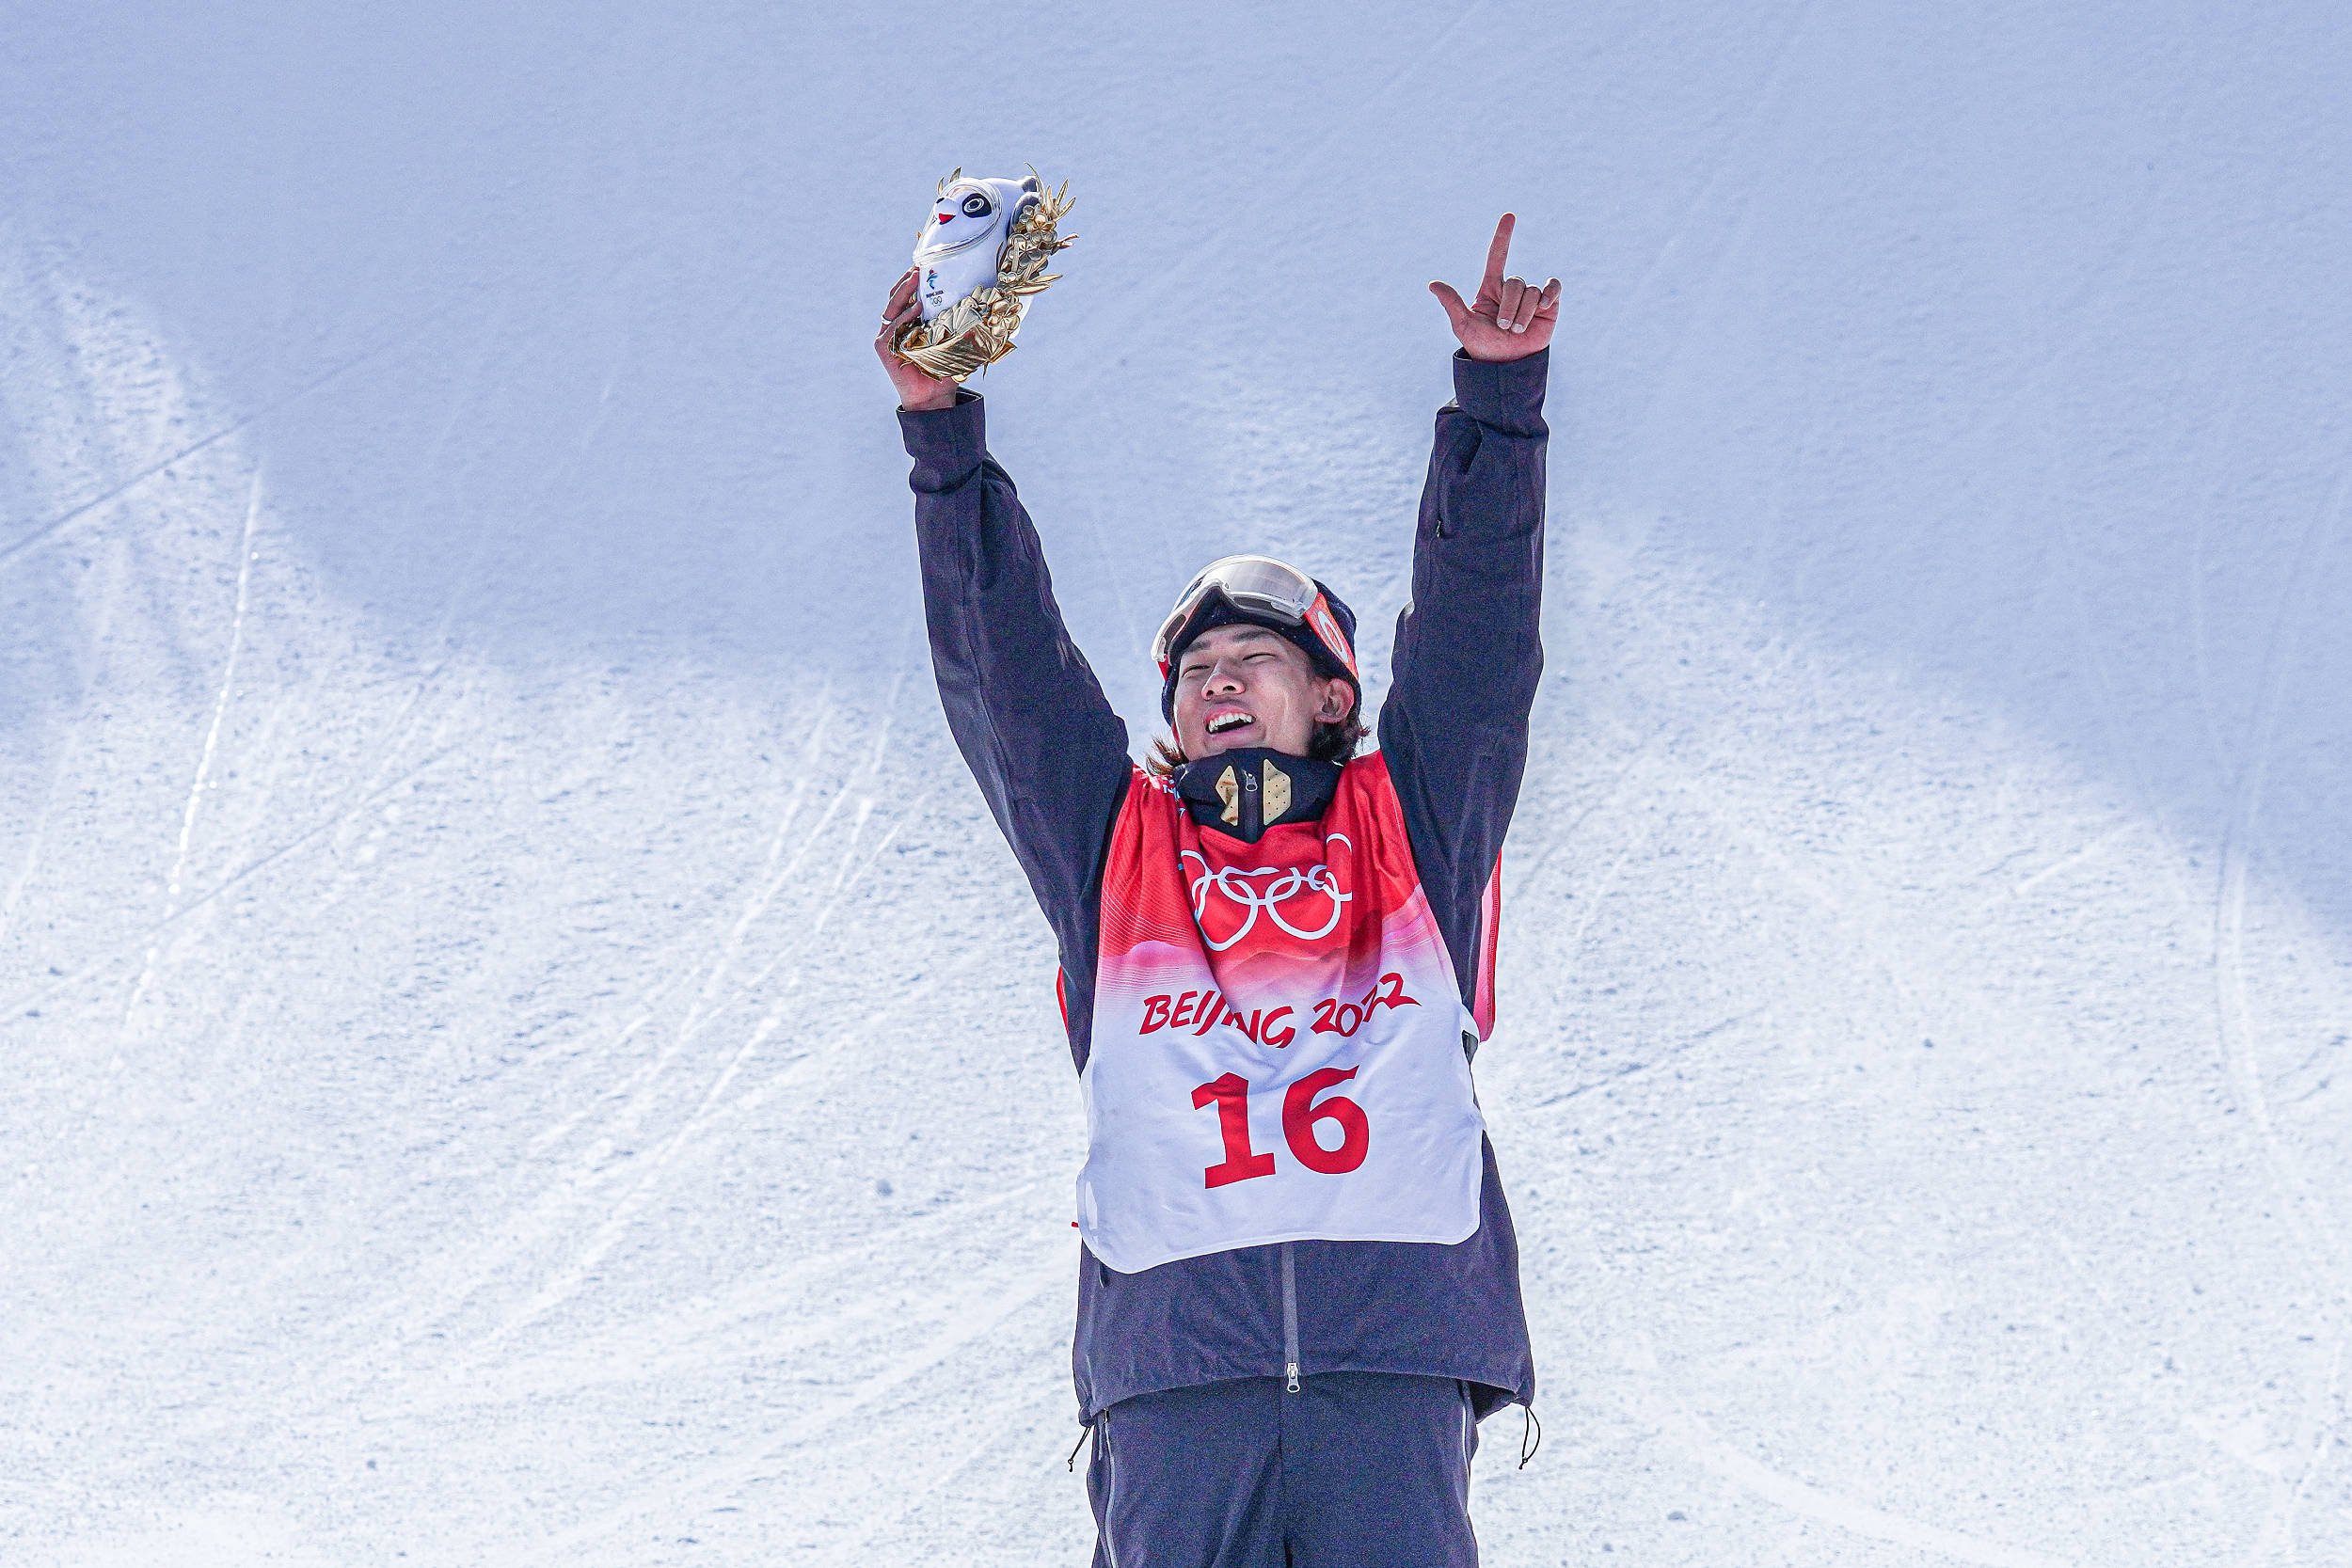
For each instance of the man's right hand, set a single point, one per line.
(918, 392)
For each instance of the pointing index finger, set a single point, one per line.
(1499, 252)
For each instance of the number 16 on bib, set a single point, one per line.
(1199, 1143)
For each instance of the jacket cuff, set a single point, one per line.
(945, 443)
(1507, 396)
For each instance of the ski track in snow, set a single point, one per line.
(588, 1091)
(2234, 1020)
(211, 743)
(43, 532)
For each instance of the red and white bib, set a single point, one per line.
(1276, 1052)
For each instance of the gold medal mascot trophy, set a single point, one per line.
(980, 259)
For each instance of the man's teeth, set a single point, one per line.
(1224, 721)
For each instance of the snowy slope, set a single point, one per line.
(523, 1046)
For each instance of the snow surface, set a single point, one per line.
(522, 1046)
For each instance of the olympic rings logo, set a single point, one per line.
(1289, 882)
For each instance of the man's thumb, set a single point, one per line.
(1455, 311)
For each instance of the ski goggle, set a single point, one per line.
(1263, 586)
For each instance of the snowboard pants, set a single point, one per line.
(1355, 1470)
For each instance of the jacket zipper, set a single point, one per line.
(1289, 1321)
(1252, 810)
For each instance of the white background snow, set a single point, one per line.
(522, 1046)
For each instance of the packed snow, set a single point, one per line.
(523, 1046)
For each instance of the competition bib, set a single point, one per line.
(1276, 1052)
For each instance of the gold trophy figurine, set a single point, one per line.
(980, 260)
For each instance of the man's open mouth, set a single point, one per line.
(1226, 722)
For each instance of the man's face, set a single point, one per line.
(1245, 685)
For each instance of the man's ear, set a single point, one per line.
(1338, 700)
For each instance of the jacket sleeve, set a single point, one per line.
(1024, 707)
(1468, 652)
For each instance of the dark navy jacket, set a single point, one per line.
(1051, 760)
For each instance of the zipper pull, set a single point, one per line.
(1292, 1386)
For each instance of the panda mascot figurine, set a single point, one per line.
(956, 253)
(979, 261)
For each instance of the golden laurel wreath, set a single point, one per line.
(977, 329)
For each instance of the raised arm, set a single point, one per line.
(1024, 707)
(1468, 653)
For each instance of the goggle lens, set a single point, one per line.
(1262, 584)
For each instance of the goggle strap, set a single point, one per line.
(1328, 631)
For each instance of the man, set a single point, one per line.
(1298, 1285)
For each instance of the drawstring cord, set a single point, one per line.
(1072, 1465)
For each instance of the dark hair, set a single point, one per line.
(1331, 742)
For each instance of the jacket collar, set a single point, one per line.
(1245, 792)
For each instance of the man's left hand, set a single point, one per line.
(1511, 318)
